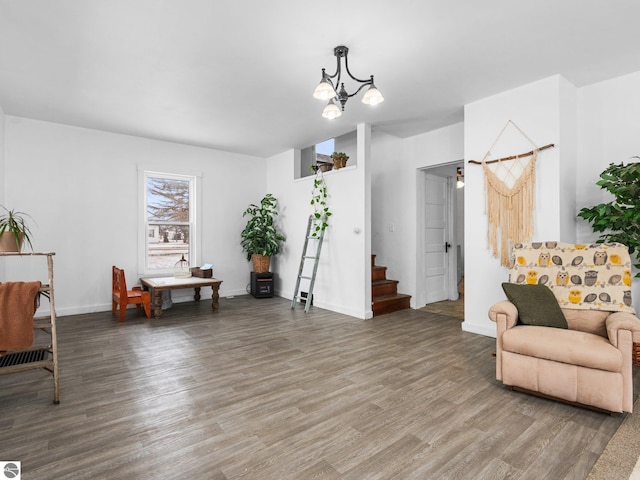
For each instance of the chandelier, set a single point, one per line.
(326, 89)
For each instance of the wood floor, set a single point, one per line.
(258, 391)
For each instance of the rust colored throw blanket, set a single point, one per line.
(18, 302)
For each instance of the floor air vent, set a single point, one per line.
(23, 357)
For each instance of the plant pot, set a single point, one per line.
(260, 263)
(8, 243)
(339, 163)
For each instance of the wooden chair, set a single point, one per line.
(120, 295)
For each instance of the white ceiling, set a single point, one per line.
(238, 75)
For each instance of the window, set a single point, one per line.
(319, 155)
(325, 149)
(169, 221)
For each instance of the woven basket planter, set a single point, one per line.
(260, 263)
(339, 162)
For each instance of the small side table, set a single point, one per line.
(159, 284)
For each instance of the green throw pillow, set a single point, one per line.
(536, 304)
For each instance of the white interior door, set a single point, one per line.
(436, 243)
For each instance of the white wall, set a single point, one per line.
(590, 128)
(343, 281)
(460, 229)
(538, 109)
(348, 143)
(394, 167)
(396, 173)
(81, 188)
(392, 182)
(3, 176)
(568, 144)
(608, 126)
(3, 179)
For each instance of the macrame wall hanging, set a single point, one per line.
(509, 192)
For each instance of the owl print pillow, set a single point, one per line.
(587, 277)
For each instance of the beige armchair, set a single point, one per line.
(589, 362)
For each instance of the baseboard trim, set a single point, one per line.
(487, 331)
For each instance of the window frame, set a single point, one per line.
(195, 217)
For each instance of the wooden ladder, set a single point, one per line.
(316, 233)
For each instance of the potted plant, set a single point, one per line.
(620, 218)
(339, 159)
(260, 238)
(14, 230)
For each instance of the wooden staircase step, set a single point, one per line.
(390, 303)
(384, 292)
(380, 288)
(378, 273)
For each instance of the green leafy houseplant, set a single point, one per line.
(260, 236)
(339, 159)
(14, 224)
(321, 210)
(620, 218)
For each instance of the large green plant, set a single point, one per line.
(620, 218)
(260, 235)
(15, 223)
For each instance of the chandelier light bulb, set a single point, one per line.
(331, 111)
(324, 90)
(459, 178)
(372, 96)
